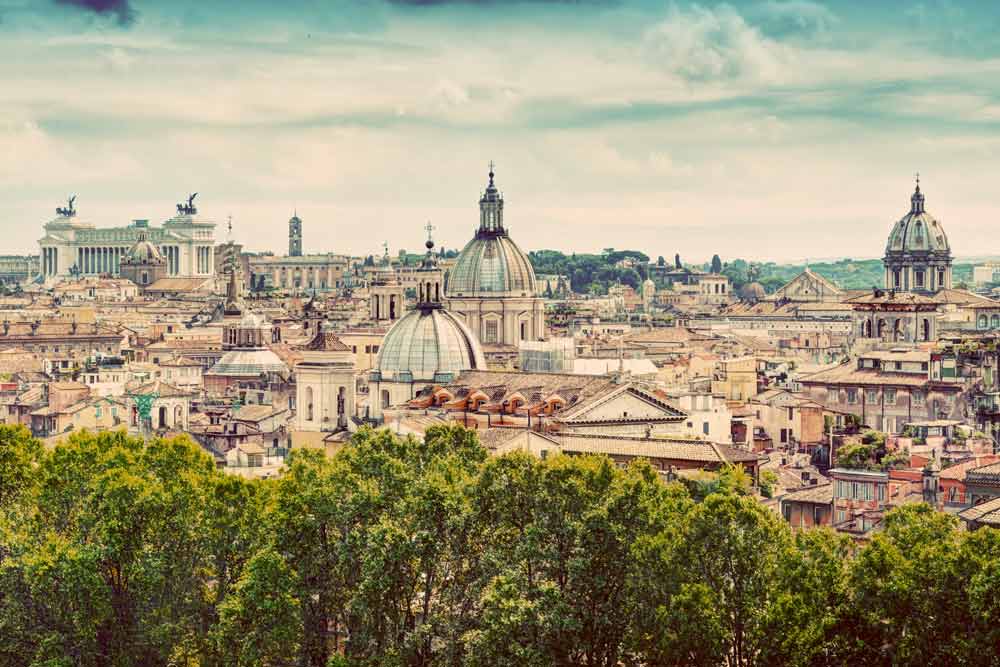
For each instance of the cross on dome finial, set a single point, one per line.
(917, 200)
(429, 244)
(492, 165)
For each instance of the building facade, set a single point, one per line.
(72, 246)
(299, 273)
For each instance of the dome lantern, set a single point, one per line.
(491, 210)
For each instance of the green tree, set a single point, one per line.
(716, 264)
(909, 605)
(260, 624)
(733, 550)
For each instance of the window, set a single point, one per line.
(841, 516)
(491, 331)
(890, 395)
(784, 435)
(918, 278)
(881, 492)
(852, 395)
(97, 412)
(917, 397)
(704, 427)
(791, 414)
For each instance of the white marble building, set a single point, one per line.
(72, 245)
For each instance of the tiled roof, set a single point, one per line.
(848, 374)
(253, 413)
(158, 387)
(821, 494)
(987, 513)
(326, 341)
(179, 285)
(902, 298)
(958, 470)
(653, 448)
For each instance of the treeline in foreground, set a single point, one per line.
(401, 552)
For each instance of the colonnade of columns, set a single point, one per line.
(99, 259)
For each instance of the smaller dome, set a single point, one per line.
(753, 292)
(427, 345)
(917, 231)
(143, 252)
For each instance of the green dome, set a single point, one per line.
(428, 344)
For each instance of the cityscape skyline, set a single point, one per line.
(675, 127)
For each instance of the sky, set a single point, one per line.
(764, 129)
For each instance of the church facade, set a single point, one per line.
(71, 246)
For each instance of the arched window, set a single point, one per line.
(309, 404)
(881, 329)
(926, 329)
(983, 321)
(995, 322)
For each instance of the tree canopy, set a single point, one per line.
(397, 551)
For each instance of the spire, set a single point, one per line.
(917, 200)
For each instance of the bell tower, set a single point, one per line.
(295, 236)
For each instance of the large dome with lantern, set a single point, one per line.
(917, 231)
(917, 254)
(491, 264)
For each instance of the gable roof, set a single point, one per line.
(578, 413)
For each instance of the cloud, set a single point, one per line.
(121, 10)
(793, 18)
(432, 3)
(702, 44)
